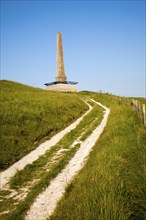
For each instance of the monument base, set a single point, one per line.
(62, 87)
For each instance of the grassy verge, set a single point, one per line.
(111, 186)
(93, 124)
(29, 116)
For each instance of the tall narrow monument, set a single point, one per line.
(61, 83)
(60, 73)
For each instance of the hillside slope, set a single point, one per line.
(112, 184)
(29, 116)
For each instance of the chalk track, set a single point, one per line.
(46, 202)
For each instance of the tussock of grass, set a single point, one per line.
(111, 185)
(29, 116)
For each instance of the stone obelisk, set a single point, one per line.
(61, 84)
(60, 73)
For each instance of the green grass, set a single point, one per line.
(29, 116)
(33, 171)
(97, 115)
(24, 205)
(37, 168)
(112, 184)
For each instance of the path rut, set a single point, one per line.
(35, 154)
(46, 202)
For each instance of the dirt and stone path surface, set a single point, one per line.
(35, 154)
(46, 202)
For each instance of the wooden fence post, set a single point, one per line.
(144, 114)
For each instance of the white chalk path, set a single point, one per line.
(35, 154)
(46, 202)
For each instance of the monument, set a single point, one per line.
(61, 83)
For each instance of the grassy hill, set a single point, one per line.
(111, 186)
(29, 116)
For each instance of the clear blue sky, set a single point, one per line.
(103, 42)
